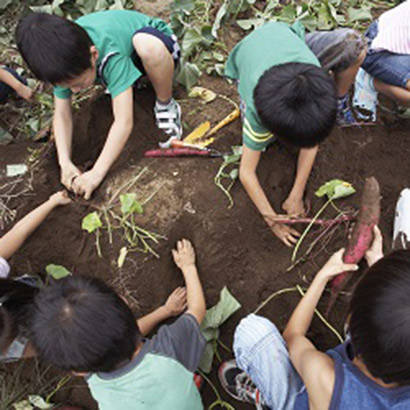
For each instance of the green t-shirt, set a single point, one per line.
(272, 44)
(111, 32)
(160, 376)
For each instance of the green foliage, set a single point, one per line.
(229, 162)
(129, 204)
(57, 271)
(73, 9)
(336, 188)
(91, 222)
(214, 318)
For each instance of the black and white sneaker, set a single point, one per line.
(168, 119)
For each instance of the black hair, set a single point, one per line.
(297, 102)
(16, 299)
(54, 48)
(80, 324)
(380, 318)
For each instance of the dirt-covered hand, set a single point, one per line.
(375, 252)
(184, 254)
(285, 233)
(85, 184)
(60, 198)
(294, 206)
(176, 302)
(25, 92)
(335, 265)
(69, 173)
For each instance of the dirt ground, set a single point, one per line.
(234, 247)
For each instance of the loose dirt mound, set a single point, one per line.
(234, 247)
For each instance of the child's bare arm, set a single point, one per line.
(315, 368)
(294, 203)
(21, 89)
(13, 239)
(184, 257)
(118, 135)
(63, 131)
(175, 304)
(247, 174)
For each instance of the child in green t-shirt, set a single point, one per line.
(115, 48)
(79, 324)
(285, 93)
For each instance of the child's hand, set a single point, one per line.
(176, 302)
(25, 92)
(184, 254)
(375, 252)
(60, 198)
(335, 265)
(69, 173)
(294, 206)
(285, 233)
(86, 183)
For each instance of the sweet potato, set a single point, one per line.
(362, 235)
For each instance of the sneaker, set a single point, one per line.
(168, 119)
(365, 96)
(239, 385)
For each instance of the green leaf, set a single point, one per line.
(188, 74)
(218, 19)
(57, 271)
(4, 4)
(362, 14)
(215, 317)
(91, 222)
(336, 188)
(129, 204)
(234, 174)
(190, 41)
(248, 24)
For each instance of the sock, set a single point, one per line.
(163, 104)
(343, 102)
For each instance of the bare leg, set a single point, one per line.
(398, 94)
(158, 63)
(344, 79)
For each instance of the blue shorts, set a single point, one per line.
(170, 42)
(391, 68)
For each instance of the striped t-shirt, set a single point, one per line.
(272, 44)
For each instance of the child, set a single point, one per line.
(81, 325)
(371, 370)
(286, 94)
(386, 68)
(9, 81)
(116, 48)
(16, 295)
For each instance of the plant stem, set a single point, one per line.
(306, 231)
(272, 296)
(322, 318)
(323, 222)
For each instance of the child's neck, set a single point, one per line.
(362, 367)
(137, 350)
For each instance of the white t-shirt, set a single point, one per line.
(4, 268)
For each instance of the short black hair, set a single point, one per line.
(16, 300)
(80, 324)
(380, 318)
(297, 102)
(54, 48)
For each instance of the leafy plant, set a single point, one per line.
(92, 223)
(232, 162)
(334, 189)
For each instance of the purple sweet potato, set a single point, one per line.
(362, 235)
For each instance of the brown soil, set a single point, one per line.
(234, 247)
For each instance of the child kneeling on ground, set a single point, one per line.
(17, 294)
(115, 48)
(371, 370)
(81, 325)
(285, 93)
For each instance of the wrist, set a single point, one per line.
(188, 268)
(164, 311)
(98, 172)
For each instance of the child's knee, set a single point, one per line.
(251, 330)
(149, 48)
